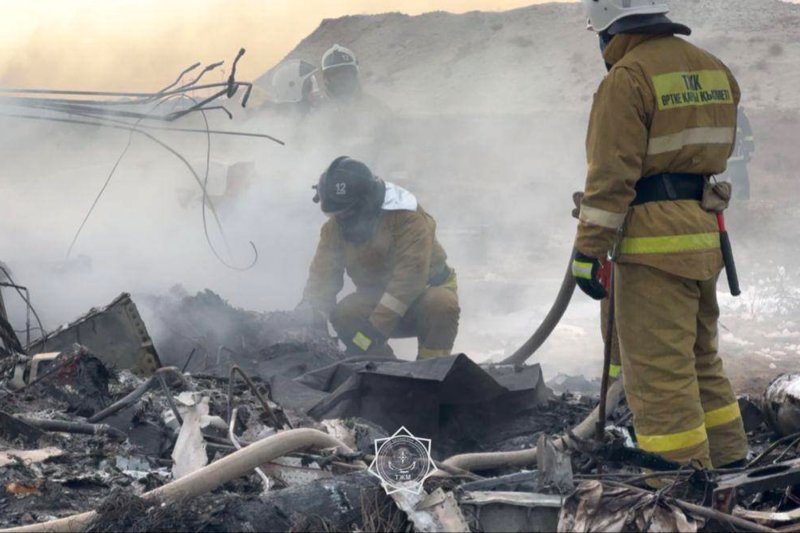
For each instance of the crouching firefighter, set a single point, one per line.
(386, 242)
(663, 122)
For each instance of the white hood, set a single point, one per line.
(398, 199)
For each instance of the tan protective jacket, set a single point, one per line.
(396, 264)
(665, 106)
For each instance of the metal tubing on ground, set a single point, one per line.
(210, 477)
(81, 428)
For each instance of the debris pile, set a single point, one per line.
(279, 433)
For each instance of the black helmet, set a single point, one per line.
(347, 186)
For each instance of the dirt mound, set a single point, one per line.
(538, 57)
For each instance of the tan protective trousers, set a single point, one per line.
(683, 405)
(432, 318)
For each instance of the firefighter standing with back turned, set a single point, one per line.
(386, 242)
(663, 122)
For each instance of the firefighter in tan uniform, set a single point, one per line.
(663, 122)
(386, 242)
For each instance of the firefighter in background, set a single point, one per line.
(294, 87)
(385, 241)
(352, 120)
(663, 120)
(737, 172)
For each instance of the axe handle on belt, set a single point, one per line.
(727, 256)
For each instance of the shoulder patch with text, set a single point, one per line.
(698, 88)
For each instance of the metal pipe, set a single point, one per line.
(134, 395)
(238, 446)
(81, 428)
(210, 477)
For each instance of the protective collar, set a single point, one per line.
(622, 44)
(398, 199)
(650, 24)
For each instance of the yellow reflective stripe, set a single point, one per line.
(452, 281)
(674, 441)
(429, 353)
(696, 88)
(670, 243)
(614, 370)
(393, 304)
(362, 341)
(601, 217)
(582, 270)
(676, 141)
(723, 415)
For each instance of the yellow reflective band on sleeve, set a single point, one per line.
(393, 304)
(452, 281)
(362, 341)
(698, 88)
(429, 353)
(677, 141)
(675, 441)
(601, 217)
(670, 244)
(582, 270)
(614, 370)
(723, 415)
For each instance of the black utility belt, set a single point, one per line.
(440, 277)
(669, 187)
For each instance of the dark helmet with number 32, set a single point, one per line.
(346, 187)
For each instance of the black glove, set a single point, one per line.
(590, 275)
(367, 337)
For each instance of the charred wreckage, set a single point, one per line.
(258, 421)
(245, 421)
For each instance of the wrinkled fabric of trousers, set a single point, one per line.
(683, 404)
(432, 318)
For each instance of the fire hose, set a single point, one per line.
(244, 461)
(212, 476)
(490, 460)
(548, 324)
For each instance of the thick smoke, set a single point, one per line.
(496, 169)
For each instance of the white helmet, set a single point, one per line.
(338, 56)
(603, 13)
(292, 82)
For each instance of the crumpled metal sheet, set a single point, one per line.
(116, 333)
(431, 513)
(595, 506)
(450, 396)
(512, 511)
